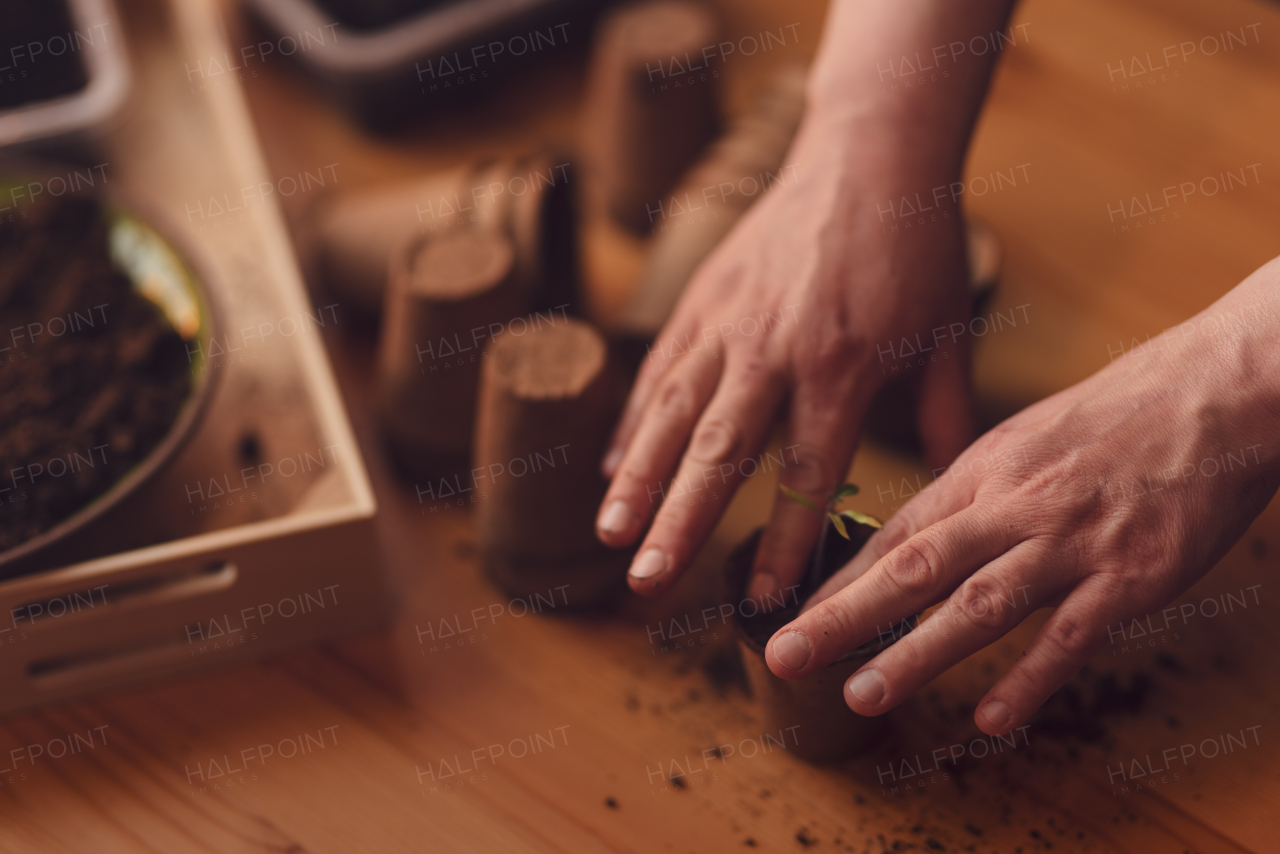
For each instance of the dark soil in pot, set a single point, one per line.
(82, 400)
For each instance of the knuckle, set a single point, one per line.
(808, 472)
(1070, 637)
(674, 401)
(914, 567)
(714, 441)
(981, 602)
(897, 531)
(830, 353)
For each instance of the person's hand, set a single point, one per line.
(794, 312)
(796, 309)
(1103, 502)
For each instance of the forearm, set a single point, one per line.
(901, 83)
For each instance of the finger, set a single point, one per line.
(733, 428)
(663, 354)
(915, 575)
(945, 416)
(1064, 644)
(654, 449)
(821, 437)
(985, 607)
(945, 496)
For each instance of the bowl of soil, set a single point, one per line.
(101, 378)
(828, 730)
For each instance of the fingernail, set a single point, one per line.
(997, 714)
(611, 460)
(649, 563)
(792, 650)
(868, 686)
(763, 586)
(615, 518)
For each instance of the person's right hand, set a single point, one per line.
(848, 267)
(802, 310)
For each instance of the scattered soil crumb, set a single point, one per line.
(723, 670)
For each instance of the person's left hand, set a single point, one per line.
(1103, 502)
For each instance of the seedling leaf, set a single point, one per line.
(844, 490)
(839, 523)
(862, 518)
(798, 498)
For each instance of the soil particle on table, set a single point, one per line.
(1078, 710)
(611, 803)
(78, 409)
(802, 836)
(723, 669)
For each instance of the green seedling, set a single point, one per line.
(834, 516)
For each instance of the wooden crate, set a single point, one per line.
(223, 555)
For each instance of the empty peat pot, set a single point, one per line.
(740, 165)
(651, 106)
(549, 398)
(348, 237)
(446, 296)
(828, 730)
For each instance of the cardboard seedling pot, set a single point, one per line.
(347, 238)
(828, 730)
(440, 292)
(548, 401)
(646, 122)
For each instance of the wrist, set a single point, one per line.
(900, 79)
(1229, 353)
(887, 150)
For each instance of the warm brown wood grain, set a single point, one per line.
(401, 706)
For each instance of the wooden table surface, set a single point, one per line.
(601, 707)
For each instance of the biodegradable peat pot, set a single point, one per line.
(445, 295)
(748, 159)
(648, 116)
(548, 401)
(348, 238)
(829, 731)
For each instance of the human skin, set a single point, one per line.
(813, 253)
(1102, 502)
(1057, 523)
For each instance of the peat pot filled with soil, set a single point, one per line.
(828, 731)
